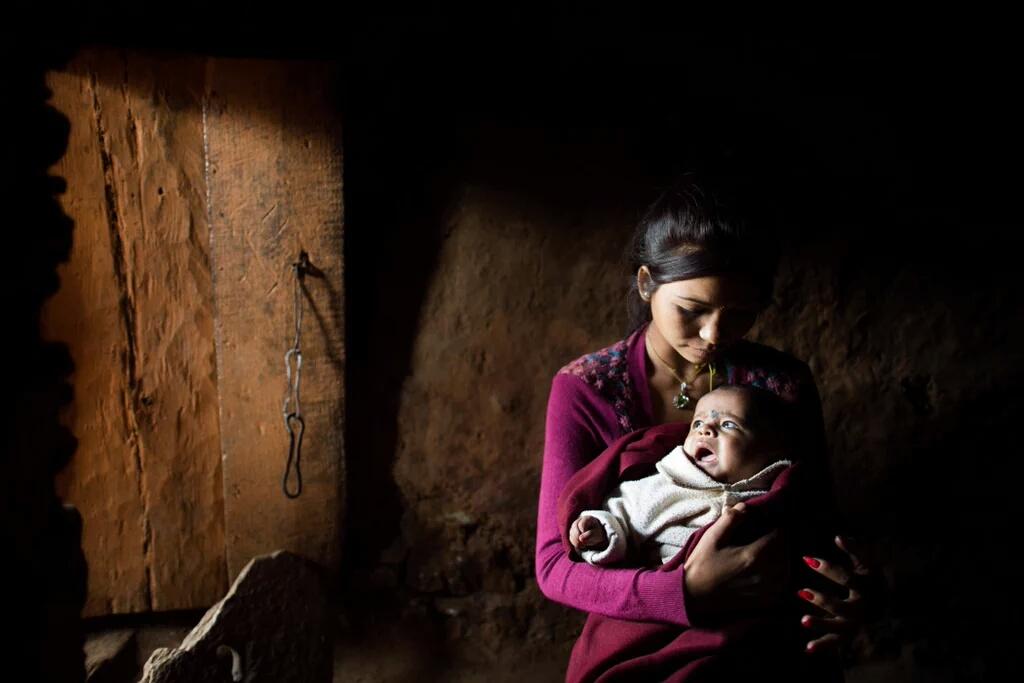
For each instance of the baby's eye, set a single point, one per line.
(729, 424)
(697, 424)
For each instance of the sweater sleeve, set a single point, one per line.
(627, 517)
(613, 551)
(572, 439)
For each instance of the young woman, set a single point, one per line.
(701, 278)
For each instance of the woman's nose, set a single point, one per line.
(709, 332)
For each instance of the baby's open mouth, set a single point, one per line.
(703, 454)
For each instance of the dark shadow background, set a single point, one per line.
(888, 148)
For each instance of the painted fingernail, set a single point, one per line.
(810, 647)
(806, 595)
(811, 562)
(805, 620)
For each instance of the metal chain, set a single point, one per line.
(294, 423)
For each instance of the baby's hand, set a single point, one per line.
(587, 532)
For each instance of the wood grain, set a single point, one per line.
(275, 189)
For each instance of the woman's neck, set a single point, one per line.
(664, 384)
(667, 361)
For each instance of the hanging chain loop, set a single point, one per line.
(294, 423)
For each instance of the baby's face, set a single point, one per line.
(722, 440)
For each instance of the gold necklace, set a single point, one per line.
(682, 400)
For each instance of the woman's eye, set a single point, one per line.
(688, 313)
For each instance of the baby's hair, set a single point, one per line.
(767, 411)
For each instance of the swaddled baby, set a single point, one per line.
(733, 452)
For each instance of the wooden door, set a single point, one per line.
(138, 307)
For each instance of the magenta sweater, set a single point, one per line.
(596, 399)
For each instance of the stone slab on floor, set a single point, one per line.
(273, 625)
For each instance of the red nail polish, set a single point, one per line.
(806, 595)
(812, 563)
(805, 621)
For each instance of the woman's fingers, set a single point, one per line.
(844, 608)
(830, 642)
(866, 590)
(853, 551)
(723, 527)
(836, 625)
(834, 572)
(833, 632)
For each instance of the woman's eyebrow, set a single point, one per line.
(696, 301)
(707, 304)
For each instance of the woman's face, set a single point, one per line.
(698, 316)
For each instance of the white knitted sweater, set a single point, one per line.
(665, 508)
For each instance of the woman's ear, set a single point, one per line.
(644, 283)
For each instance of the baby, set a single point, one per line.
(733, 452)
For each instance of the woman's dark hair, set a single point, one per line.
(695, 229)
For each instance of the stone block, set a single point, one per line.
(273, 625)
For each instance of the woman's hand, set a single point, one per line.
(861, 595)
(720, 577)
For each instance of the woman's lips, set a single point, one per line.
(700, 355)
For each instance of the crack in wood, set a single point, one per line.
(129, 358)
(267, 214)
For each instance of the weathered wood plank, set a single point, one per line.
(275, 189)
(135, 307)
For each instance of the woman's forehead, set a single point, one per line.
(715, 291)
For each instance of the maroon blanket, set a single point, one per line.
(768, 643)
